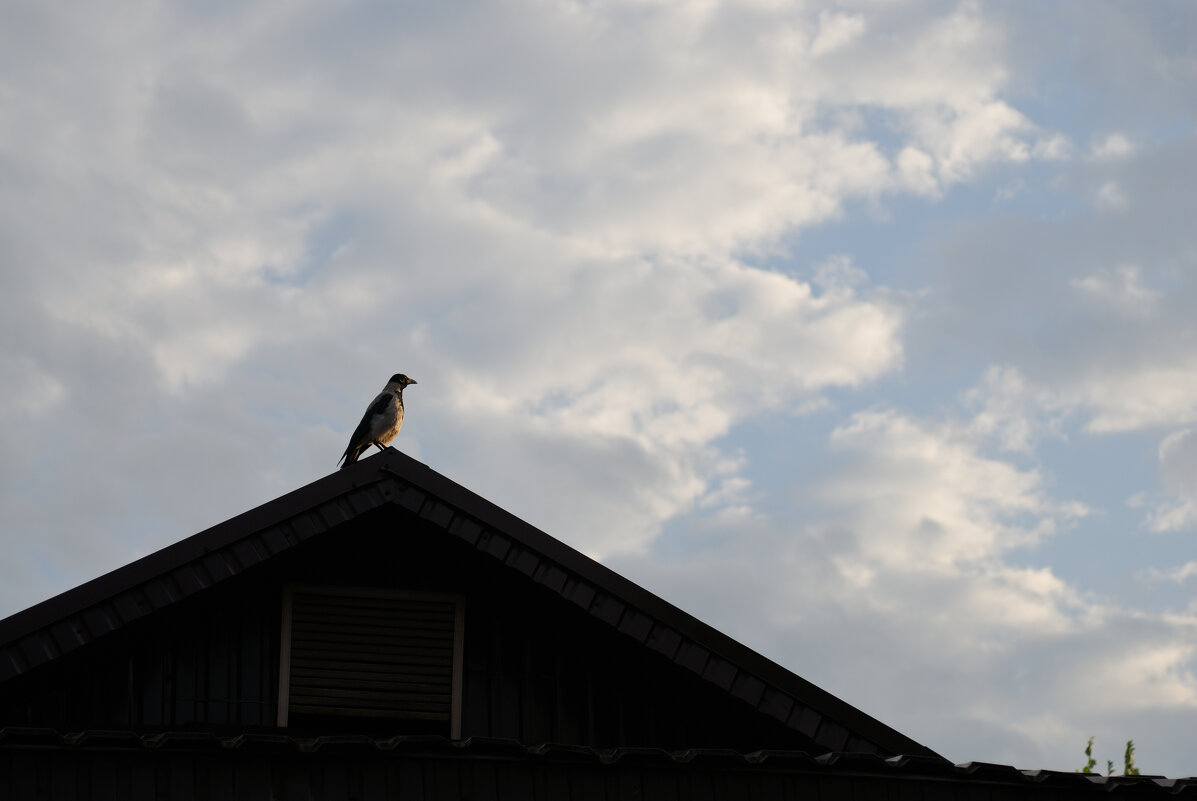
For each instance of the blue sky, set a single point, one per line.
(861, 330)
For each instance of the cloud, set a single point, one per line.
(836, 31)
(657, 363)
(598, 237)
(1179, 574)
(565, 241)
(1091, 310)
(932, 499)
(916, 542)
(1121, 289)
(1174, 506)
(1111, 198)
(1018, 414)
(1112, 146)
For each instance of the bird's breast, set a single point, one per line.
(390, 424)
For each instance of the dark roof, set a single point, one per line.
(61, 624)
(911, 770)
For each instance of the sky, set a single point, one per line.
(861, 330)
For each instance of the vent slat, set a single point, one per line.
(345, 632)
(391, 658)
(314, 685)
(435, 668)
(329, 642)
(367, 654)
(375, 697)
(370, 621)
(368, 712)
(422, 674)
(335, 606)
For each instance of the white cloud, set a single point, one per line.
(1053, 147)
(1120, 289)
(1110, 197)
(231, 155)
(1112, 146)
(1155, 675)
(1174, 507)
(1141, 397)
(930, 501)
(1123, 397)
(1179, 574)
(916, 170)
(693, 351)
(1010, 408)
(836, 31)
(1178, 461)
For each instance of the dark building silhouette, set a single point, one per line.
(385, 633)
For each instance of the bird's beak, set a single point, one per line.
(412, 381)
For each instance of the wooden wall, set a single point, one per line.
(537, 669)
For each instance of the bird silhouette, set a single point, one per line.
(381, 422)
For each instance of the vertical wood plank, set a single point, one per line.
(284, 662)
(458, 653)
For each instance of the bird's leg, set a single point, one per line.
(379, 445)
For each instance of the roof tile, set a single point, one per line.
(748, 688)
(249, 551)
(409, 497)
(189, 579)
(494, 544)
(11, 664)
(580, 592)
(805, 720)
(551, 576)
(363, 499)
(719, 672)
(832, 735)
(161, 592)
(465, 527)
(636, 625)
(437, 513)
(68, 635)
(607, 609)
(664, 640)
(523, 560)
(100, 619)
(220, 565)
(307, 525)
(336, 512)
(276, 539)
(776, 704)
(693, 656)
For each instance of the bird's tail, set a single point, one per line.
(349, 457)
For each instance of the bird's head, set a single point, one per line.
(402, 380)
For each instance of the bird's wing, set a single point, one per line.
(365, 430)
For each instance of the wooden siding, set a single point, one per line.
(568, 678)
(536, 669)
(210, 664)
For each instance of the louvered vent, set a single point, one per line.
(371, 653)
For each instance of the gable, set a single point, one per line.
(556, 647)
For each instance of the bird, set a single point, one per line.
(381, 422)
